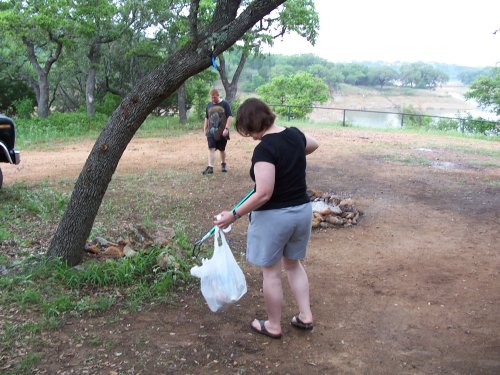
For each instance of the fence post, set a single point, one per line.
(343, 120)
(402, 117)
(289, 114)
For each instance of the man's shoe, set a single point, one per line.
(208, 170)
(223, 167)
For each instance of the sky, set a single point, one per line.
(443, 31)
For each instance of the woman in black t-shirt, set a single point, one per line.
(281, 213)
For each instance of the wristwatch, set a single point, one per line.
(236, 216)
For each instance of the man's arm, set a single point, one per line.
(228, 122)
(205, 125)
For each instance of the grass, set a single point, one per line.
(40, 294)
(62, 128)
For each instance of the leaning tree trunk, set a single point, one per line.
(181, 104)
(224, 30)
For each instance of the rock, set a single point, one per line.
(165, 238)
(330, 210)
(91, 248)
(335, 220)
(336, 210)
(128, 251)
(163, 260)
(103, 242)
(113, 252)
(316, 222)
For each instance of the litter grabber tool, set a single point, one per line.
(197, 244)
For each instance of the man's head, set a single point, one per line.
(214, 95)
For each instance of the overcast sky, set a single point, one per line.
(443, 31)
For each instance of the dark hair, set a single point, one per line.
(253, 116)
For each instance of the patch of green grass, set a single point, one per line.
(25, 205)
(28, 362)
(42, 293)
(62, 128)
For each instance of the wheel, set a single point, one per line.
(1, 178)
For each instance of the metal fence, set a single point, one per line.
(385, 119)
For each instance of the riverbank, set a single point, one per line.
(447, 101)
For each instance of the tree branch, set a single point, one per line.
(193, 19)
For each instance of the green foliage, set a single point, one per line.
(478, 125)
(293, 96)
(446, 124)
(12, 91)
(300, 16)
(486, 90)
(382, 76)
(108, 104)
(200, 86)
(23, 204)
(49, 291)
(415, 119)
(421, 75)
(58, 125)
(235, 104)
(23, 108)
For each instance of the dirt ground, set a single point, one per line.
(412, 289)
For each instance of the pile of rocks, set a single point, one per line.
(330, 210)
(137, 238)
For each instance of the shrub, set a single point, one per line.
(414, 119)
(23, 108)
(108, 104)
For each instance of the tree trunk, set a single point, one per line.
(231, 88)
(181, 104)
(224, 30)
(43, 101)
(94, 57)
(43, 73)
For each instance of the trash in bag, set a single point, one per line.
(222, 280)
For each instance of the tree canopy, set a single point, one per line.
(486, 91)
(294, 95)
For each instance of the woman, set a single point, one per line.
(281, 213)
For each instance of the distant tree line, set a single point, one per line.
(261, 69)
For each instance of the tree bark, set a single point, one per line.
(43, 92)
(181, 104)
(94, 57)
(224, 30)
(231, 88)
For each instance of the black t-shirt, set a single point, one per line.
(286, 150)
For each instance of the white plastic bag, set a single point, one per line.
(222, 280)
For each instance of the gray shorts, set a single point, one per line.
(273, 234)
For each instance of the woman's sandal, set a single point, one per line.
(297, 323)
(263, 330)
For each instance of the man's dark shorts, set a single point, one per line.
(218, 145)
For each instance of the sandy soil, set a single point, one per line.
(412, 289)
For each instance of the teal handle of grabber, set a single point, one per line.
(234, 208)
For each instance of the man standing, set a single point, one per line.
(218, 117)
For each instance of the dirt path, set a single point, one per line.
(412, 289)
